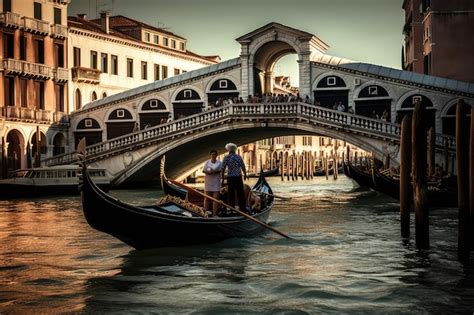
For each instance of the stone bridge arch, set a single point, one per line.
(187, 152)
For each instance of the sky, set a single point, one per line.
(360, 30)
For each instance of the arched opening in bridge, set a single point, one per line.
(409, 103)
(120, 122)
(331, 91)
(449, 119)
(285, 75)
(15, 145)
(59, 144)
(265, 59)
(186, 103)
(220, 91)
(90, 129)
(373, 101)
(153, 112)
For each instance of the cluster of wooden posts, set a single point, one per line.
(417, 162)
(304, 165)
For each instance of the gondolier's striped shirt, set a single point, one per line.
(234, 164)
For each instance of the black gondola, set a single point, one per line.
(437, 197)
(386, 184)
(165, 225)
(361, 177)
(273, 172)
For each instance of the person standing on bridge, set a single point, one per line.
(235, 167)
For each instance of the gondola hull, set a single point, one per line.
(152, 227)
(362, 178)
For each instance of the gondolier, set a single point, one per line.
(235, 167)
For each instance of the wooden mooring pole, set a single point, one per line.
(406, 196)
(419, 137)
(462, 164)
(471, 177)
(431, 151)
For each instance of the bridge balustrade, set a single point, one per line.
(314, 114)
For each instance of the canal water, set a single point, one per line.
(346, 257)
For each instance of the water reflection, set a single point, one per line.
(347, 256)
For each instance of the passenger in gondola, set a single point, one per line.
(212, 184)
(235, 168)
(254, 202)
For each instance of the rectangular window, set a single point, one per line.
(176, 71)
(39, 87)
(37, 11)
(9, 91)
(8, 44)
(223, 84)
(331, 81)
(7, 5)
(427, 63)
(104, 64)
(147, 36)
(130, 67)
(77, 57)
(114, 61)
(155, 39)
(39, 51)
(164, 71)
(24, 92)
(165, 41)
(188, 93)
(120, 113)
(59, 55)
(23, 48)
(93, 59)
(373, 90)
(153, 103)
(157, 72)
(88, 123)
(416, 99)
(181, 45)
(57, 16)
(144, 70)
(59, 89)
(173, 43)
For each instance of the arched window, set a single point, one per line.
(94, 96)
(104, 95)
(330, 91)
(78, 99)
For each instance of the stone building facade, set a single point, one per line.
(439, 39)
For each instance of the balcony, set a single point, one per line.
(35, 26)
(61, 75)
(10, 19)
(27, 114)
(37, 71)
(59, 31)
(12, 66)
(86, 75)
(65, 2)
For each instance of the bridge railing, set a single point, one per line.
(315, 114)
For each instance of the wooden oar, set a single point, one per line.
(240, 212)
(275, 196)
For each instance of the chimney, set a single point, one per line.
(82, 16)
(104, 21)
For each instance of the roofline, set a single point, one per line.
(141, 24)
(142, 44)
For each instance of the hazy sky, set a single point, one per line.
(361, 30)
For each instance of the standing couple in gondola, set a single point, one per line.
(214, 179)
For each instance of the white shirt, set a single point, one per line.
(212, 182)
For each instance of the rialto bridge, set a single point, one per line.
(128, 132)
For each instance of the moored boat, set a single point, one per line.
(48, 181)
(172, 223)
(361, 177)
